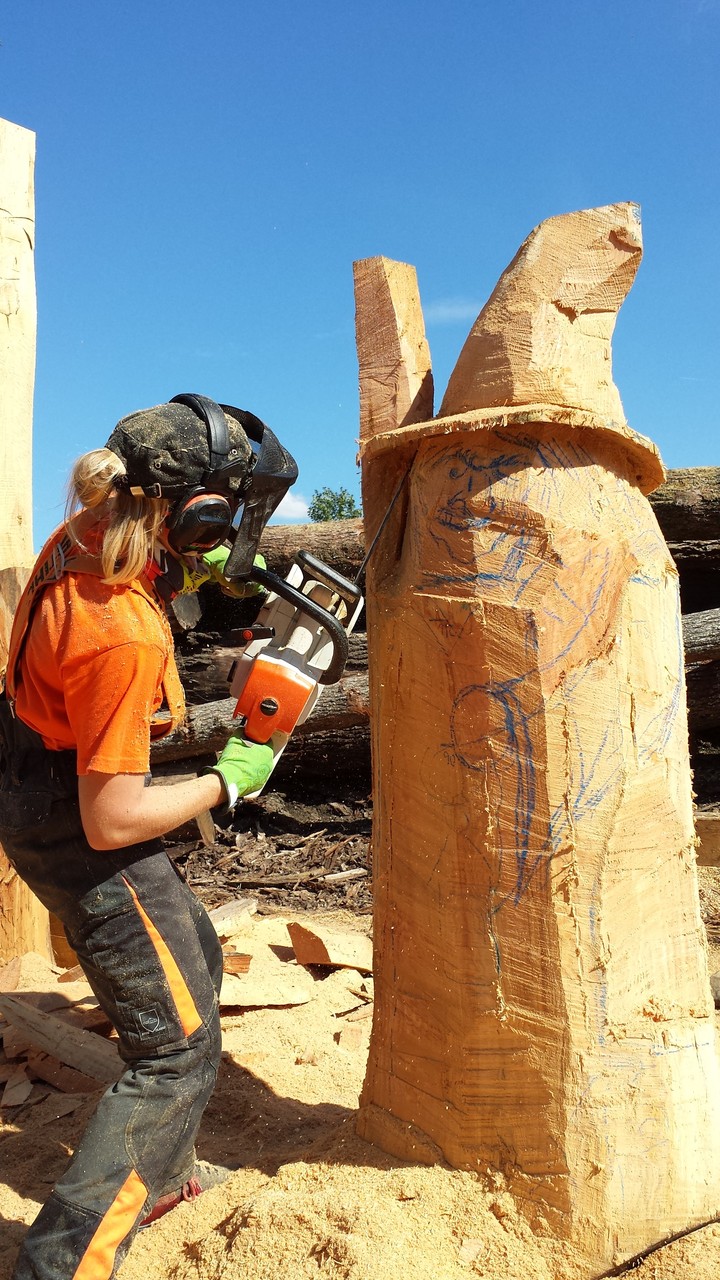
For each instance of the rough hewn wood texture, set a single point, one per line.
(396, 386)
(23, 921)
(543, 337)
(12, 582)
(542, 1000)
(17, 343)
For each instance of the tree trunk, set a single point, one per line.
(539, 955)
(23, 921)
(336, 542)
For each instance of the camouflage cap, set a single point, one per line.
(166, 449)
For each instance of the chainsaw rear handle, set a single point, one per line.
(304, 604)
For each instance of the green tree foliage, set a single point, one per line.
(332, 504)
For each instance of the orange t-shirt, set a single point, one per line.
(97, 663)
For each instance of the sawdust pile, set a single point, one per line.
(307, 1197)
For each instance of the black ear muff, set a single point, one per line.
(199, 522)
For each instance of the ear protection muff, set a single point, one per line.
(201, 519)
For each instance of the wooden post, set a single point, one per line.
(542, 996)
(23, 921)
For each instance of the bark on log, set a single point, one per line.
(701, 636)
(698, 564)
(687, 506)
(703, 690)
(337, 542)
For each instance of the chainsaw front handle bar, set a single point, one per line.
(305, 604)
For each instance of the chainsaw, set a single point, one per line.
(297, 646)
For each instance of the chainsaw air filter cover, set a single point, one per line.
(273, 697)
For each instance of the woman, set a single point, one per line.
(91, 680)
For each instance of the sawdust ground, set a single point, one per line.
(308, 1197)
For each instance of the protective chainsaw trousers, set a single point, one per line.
(154, 963)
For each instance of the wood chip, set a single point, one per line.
(57, 1105)
(362, 992)
(232, 916)
(470, 1250)
(360, 1015)
(76, 974)
(339, 877)
(45, 1067)
(349, 1038)
(267, 988)
(321, 946)
(17, 1089)
(15, 1043)
(236, 962)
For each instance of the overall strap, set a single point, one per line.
(59, 555)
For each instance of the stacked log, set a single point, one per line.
(333, 748)
(688, 512)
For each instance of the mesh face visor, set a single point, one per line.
(274, 471)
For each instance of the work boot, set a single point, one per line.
(204, 1177)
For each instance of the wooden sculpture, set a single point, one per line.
(23, 921)
(543, 1004)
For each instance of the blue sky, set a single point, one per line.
(208, 170)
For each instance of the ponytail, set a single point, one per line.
(129, 524)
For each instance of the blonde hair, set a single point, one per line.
(129, 525)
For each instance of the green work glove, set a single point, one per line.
(243, 766)
(213, 564)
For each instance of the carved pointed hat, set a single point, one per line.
(540, 350)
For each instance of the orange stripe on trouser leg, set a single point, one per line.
(189, 1017)
(98, 1259)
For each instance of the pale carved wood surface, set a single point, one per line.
(542, 997)
(17, 346)
(23, 922)
(544, 335)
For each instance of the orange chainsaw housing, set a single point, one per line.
(273, 698)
